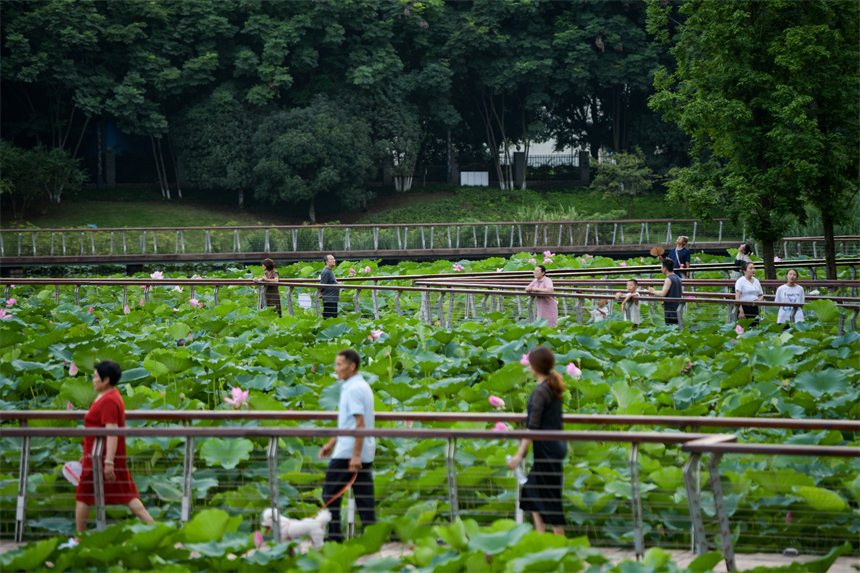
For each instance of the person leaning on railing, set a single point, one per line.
(546, 304)
(789, 292)
(748, 290)
(329, 296)
(270, 295)
(672, 288)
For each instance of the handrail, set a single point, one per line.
(485, 417)
(355, 225)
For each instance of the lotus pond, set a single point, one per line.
(47, 352)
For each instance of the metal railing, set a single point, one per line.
(694, 442)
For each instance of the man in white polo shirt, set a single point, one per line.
(350, 455)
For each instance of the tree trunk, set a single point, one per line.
(767, 255)
(829, 244)
(312, 211)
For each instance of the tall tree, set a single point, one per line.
(735, 91)
(312, 152)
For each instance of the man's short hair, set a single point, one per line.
(634, 281)
(352, 356)
(669, 264)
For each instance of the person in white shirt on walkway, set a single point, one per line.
(748, 291)
(350, 455)
(790, 292)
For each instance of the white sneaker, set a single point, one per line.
(70, 544)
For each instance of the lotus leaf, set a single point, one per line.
(820, 499)
(226, 453)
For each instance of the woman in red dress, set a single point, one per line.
(107, 411)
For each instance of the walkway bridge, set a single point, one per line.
(389, 242)
(698, 510)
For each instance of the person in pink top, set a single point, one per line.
(547, 305)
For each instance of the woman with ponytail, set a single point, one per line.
(541, 494)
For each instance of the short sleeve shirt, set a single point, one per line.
(786, 293)
(329, 294)
(356, 397)
(750, 291)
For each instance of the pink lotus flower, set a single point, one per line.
(73, 370)
(641, 259)
(622, 264)
(496, 402)
(69, 406)
(11, 302)
(258, 539)
(698, 259)
(239, 397)
(142, 302)
(195, 303)
(739, 329)
(458, 267)
(547, 261)
(177, 288)
(548, 254)
(156, 275)
(351, 272)
(532, 261)
(3, 314)
(367, 269)
(90, 310)
(788, 517)
(499, 269)
(144, 287)
(376, 333)
(525, 360)
(500, 427)
(582, 261)
(776, 259)
(573, 371)
(175, 309)
(126, 309)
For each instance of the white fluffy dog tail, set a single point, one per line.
(324, 516)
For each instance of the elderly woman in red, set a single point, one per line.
(107, 411)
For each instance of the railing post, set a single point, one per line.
(345, 239)
(124, 247)
(450, 320)
(2, 247)
(207, 242)
(458, 236)
(669, 232)
(375, 301)
(449, 236)
(536, 237)
(474, 236)
(695, 225)
(216, 294)
(720, 236)
(154, 243)
(142, 243)
(691, 466)
(587, 230)
(274, 488)
(397, 303)
(636, 503)
(33, 235)
(579, 310)
(520, 234)
(614, 232)
(512, 236)
(453, 500)
(315, 300)
(82, 243)
(814, 249)
(498, 238)
(267, 249)
(182, 240)
(355, 302)
(23, 478)
(596, 236)
(19, 244)
(486, 234)
(295, 233)
(236, 247)
(647, 233)
(78, 295)
(680, 312)
(98, 484)
(376, 238)
(187, 475)
(175, 246)
(399, 243)
(57, 294)
(290, 301)
(405, 238)
(423, 244)
(125, 296)
(720, 507)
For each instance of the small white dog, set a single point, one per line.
(291, 529)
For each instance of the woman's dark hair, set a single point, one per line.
(352, 356)
(543, 360)
(269, 264)
(542, 268)
(110, 371)
(747, 249)
(746, 265)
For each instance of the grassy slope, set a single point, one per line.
(437, 204)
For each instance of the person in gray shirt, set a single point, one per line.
(329, 296)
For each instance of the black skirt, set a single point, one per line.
(542, 491)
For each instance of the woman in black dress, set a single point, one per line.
(541, 494)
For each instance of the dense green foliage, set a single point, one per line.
(769, 94)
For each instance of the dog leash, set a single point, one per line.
(342, 490)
